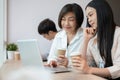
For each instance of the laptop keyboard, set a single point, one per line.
(58, 69)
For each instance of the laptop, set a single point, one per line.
(31, 56)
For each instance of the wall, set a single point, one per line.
(2, 33)
(116, 10)
(25, 15)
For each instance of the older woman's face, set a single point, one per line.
(92, 17)
(68, 22)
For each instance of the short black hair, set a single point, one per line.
(76, 9)
(46, 25)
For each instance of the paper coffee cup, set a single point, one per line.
(61, 52)
(75, 54)
(16, 56)
(72, 56)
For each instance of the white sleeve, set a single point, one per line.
(115, 69)
(90, 59)
(53, 50)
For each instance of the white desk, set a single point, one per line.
(14, 65)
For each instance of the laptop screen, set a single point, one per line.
(30, 55)
(29, 52)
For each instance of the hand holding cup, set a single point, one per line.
(62, 60)
(80, 64)
(75, 61)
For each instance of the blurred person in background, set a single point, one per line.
(47, 29)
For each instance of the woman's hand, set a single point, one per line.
(51, 64)
(89, 33)
(80, 64)
(62, 60)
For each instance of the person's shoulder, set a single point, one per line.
(80, 29)
(117, 30)
(60, 33)
(80, 32)
(93, 41)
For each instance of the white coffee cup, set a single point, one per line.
(74, 55)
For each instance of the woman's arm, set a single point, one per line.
(81, 65)
(88, 34)
(83, 48)
(103, 72)
(52, 55)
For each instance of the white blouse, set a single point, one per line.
(60, 41)
(95, 59)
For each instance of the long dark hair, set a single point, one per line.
(105, 29)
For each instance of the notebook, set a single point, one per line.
(31, 55)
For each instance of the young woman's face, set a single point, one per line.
(68, 22)
(92, 17)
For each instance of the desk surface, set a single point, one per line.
(15, 65)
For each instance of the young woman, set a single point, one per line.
(69, 38)
(103, 49)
